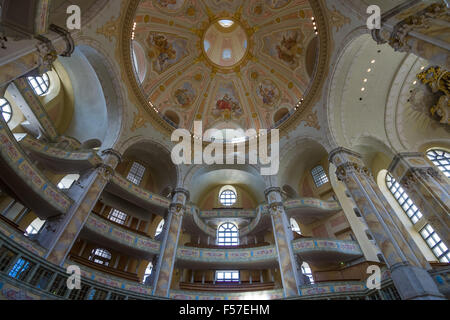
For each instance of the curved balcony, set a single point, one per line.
(58, 159)
(25, 181)
(201, 258)
(106, 232)
(124, 189)
(201, 295)
(310, 210)
(321, 252)
(193, 220)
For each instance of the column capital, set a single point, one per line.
(342, 155)
(271, 189)
(105, 171)
(404, 162)
(183, 191)
(112, 152)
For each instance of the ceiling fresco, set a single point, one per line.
(232, 64)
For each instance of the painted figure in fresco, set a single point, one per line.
(267, 94)
(276, 4)
(183, 97)
(227, 105)
(165, 49)
(166, 3)
(288, 49)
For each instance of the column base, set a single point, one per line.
(415, 283)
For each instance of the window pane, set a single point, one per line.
(319, 176)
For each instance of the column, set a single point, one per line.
(423, 31)
(60, 233)
(427, 187)
(402, 256)
(283, 241)
(169, 243)
(39, 53)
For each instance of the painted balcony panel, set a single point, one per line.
(14, 235)
(321, 252)
(127, 190)
(57, 159)
(30, 186)
(115, 236)
(256, 295)
(309, 210)
(228, 258)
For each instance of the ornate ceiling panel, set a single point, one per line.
(232, 64)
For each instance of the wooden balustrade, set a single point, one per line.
(115, 272)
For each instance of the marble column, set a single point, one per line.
(427, 187)
(169, 243)
(403, 258)
(283, 241)
(60, 233)
(414, 28)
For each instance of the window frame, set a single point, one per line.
(319, 176)
(438, 159)
(45, 82)
(3, 105)
(230, 279)
(227, 197)
(445, 255)
(117, 216)
(136, 173)
(100, 256)
(227, 234)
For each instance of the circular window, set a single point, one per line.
(5, 109)
(40, 84)
(227, 197)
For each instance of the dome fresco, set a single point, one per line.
(230, 64)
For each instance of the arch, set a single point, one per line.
(227, 234)
(157, 160)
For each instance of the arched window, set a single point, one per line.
(148, 271)
(441, 159)
(227, 234)
(227, 196)
(34, 227)
(40, 84)
(435, 243)
(403, 199)
(319, 176)
(117, 216)
(306, 270)
(294, 226)
(100, 256)
(160, 227)
(136, 173)
(5, 109)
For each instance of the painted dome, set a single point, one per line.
(231, 64)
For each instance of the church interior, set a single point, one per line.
(93, 92)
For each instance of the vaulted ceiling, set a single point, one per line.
(232, 64)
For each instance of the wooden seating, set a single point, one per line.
(117, 273)
(227, 287)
